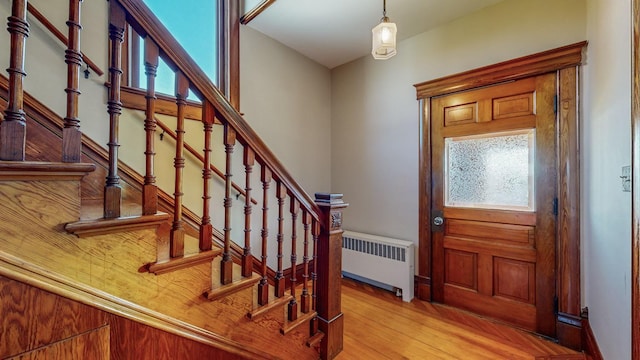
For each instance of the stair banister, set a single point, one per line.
(205, 89)
(322, 216)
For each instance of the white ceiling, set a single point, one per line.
(334, 32)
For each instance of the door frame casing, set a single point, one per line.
(565, 62)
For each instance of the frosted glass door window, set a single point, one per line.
(491, 171)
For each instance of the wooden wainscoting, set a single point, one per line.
(38, 324)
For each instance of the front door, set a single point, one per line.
(493, 201)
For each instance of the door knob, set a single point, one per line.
(438, 220)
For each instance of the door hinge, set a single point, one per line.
(555, 206)
(555, 104)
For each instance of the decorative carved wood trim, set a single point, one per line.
(532, 65)
(19, 270)
(568, 57)
(635, 178)
(251, 14)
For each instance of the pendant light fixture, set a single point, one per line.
(384, 37)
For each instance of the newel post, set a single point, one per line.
(329, 258)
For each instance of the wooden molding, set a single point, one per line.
(19, 270)
(532, 65)
(30, 170)
(290, 326)
(589, 343)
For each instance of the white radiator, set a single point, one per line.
(384, 260)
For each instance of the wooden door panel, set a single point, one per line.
(515, 312)
(483, 247)
(497, 216)
(495, 233)
(495, 126)
(489, 260)
(461, 269)
(461, 114)
(514, 280)
(513, 106)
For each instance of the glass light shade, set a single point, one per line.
(384, 40)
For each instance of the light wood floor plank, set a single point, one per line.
(380, 326)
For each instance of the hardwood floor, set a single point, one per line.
(378, 325)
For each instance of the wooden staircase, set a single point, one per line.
(97, 232)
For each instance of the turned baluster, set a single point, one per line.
(247, 259)
(263, 287)
(279, 285)
(206, 228)
(177, 229)
(112, 190)
(304, 297)
(13, 129)
(226, 272)
(71, 135)
(150, 189)
(293, 304)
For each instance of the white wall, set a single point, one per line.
(375, 112)
(286, 98)
(606, 147)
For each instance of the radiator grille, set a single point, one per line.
(382, 250)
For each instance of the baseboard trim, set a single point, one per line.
(422, 287)
(589, 343)
(569, 331)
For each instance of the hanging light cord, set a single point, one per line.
(384, 11)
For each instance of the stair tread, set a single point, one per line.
(269, 306)
(105, 226)
(291, 325)
(237, 285)
(315, 339)
(183, 262)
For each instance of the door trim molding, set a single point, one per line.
(565, 61)
(526, 66)
(635, 179)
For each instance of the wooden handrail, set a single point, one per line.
(202, 86)
(60, 36)
(251, 14)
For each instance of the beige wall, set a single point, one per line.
(286, 98)
(44, 53)
(606, 147)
